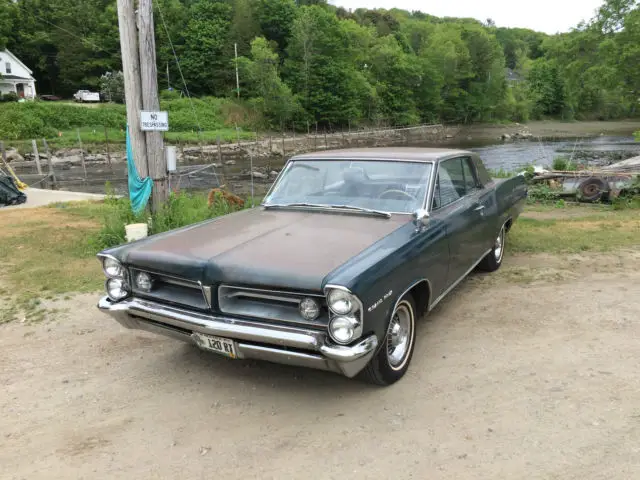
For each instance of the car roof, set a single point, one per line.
(388, 153)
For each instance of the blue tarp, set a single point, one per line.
(139, 189)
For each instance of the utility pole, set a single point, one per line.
(235, 46)
(151, 102)
(132, 84)
(168, 79)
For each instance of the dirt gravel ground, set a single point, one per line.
(510, 380)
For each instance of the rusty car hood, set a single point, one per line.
(271, 248)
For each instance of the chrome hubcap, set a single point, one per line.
(498, 247)
(399, 337)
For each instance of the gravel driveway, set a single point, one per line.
(509, 380)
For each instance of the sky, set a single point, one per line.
(549, 16)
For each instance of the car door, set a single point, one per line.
(481, 226)
(459, 212)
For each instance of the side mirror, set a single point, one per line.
(420, 218)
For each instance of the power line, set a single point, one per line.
(184, 82)
(83, 39)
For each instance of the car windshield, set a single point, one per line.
(385, 186)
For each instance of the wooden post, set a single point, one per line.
(132, 83)
(84, 166)
(106, 137)
(219, 149)
(36, 156)
(283, 149)
(149, 77)
(52, 174)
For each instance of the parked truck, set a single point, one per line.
(86, 96)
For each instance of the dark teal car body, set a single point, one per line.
(272, 283)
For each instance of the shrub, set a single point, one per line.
(181, 209)
(30, 120)
(541, 193)
(560, 163)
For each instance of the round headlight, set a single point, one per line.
(112, 268)
(117, 289)
(144, 281)
(341, 302)
(309, 309)
(343, 329)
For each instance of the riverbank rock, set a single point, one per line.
(230, 162)
(14, 156)
(273, 174)
(260, 175)
(505, 136)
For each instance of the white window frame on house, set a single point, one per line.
(7, 68)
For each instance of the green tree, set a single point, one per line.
(207, 60)
(269, 93)
(276, 18)
(244, 25)
(547, 88)
(320, 67)
(397, 78)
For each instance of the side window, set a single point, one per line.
(470, 181)
(8, 68)
(449, 184)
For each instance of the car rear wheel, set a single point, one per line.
(392, 360)
(493, 260)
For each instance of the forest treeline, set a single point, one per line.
(307, 61)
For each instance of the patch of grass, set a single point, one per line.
(45, 254)
(604, 231)
(501, 173)
(214, 116)
(542, 193)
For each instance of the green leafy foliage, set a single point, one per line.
(318, 63)
(45, 119)
(180, 210)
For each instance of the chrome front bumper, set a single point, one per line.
(273, 343)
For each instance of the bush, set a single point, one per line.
(541, 193)
(181, 209)
(23, 121)
(112, 87)
(8, 97)
(560, 163)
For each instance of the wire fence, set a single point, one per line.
(239, 165)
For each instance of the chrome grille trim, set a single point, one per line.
(274, 305)
(173, 290)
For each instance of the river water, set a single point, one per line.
(511, 156)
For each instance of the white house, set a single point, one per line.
(15, 76)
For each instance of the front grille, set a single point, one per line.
(172, 290)
(269, 305)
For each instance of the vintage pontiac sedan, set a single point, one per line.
(332, 271)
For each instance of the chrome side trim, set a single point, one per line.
(455, 284)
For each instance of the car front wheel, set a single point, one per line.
(392, 360)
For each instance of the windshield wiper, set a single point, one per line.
(330, 207)
(363, 210)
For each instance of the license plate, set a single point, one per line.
(222, 346)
